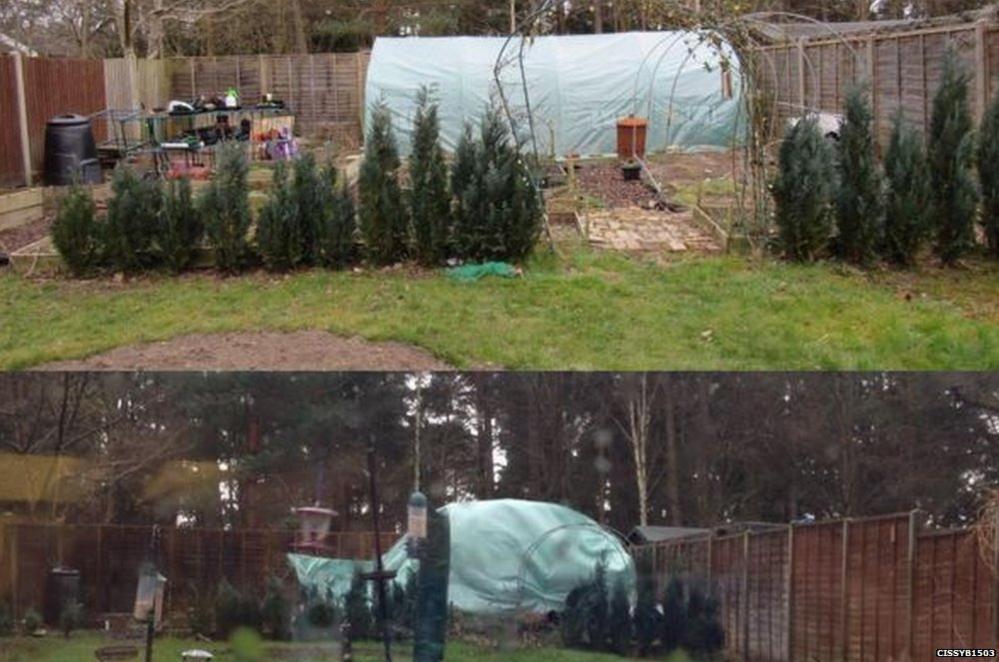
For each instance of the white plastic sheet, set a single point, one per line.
(578, 86)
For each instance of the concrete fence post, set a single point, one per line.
(22, 116)
(981, 70)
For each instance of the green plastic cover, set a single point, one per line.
(472, 272)
(507, 555)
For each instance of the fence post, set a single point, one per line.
(359, 59)
(801, 74)
(745, 594)
(844, 593)
(995, 578)
(981, 70)
(22, 116)
(13, 570)
(789, 582)
(912, 583)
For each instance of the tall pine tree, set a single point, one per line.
(907, 203)
(804, 191)
(950, 154)
(429, 199)
(988, 174)
(859, 206)
(382, 214)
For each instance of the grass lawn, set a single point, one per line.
(81, 647)
(583, 310)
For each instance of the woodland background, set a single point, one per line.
(663, 448)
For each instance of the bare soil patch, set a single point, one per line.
(12, 239)
(264, 350)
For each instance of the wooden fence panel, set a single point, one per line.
(53, 87)
(194, 560)
(859, 590)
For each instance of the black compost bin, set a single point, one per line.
(62, 586)
(70, 151)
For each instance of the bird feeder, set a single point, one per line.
(313, 529)
(149, 597)
(416, 523)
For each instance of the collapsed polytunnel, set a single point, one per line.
(507, 555)
(578, 86)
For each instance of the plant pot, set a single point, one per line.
(632, 172)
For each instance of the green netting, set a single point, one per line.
(506, 555)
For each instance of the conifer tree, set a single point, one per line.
(278, 241)
(674, 623)
(598, 606)
(429, 198)
(498, 209)
(859, 201)
(132, 220)
(358, 609)
(988, 174)
(225, 208)
(620, 626)
(180, 227)
(803, 191)
(381, 212)
(338, 246)
(647, 617)
(310, 196)
(77, 233)
(950, 153)
(907, 203)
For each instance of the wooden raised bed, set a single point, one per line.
(21, 207)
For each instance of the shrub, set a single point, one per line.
(704, 635)
(620, 626)
(338, 247)
(988, 174)
(358, 609)
(907, 213)
(132, 220)
(311, 194)
(234, 609)
(70, 618)
(381, 212)
(277, 237)
(597, 606)
(498, 208)
(76, 232)
(647, 617)
(674, 621)
(950, 153)
(429, 198)
(573, 620)
(6, 619)
(275, 611)
(180, 228)
(32, 621)
(803, 191)
(225, 208)
(859, 202)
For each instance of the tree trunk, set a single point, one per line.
(672, 458)
(484, 437)
(598, 16)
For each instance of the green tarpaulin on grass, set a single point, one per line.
(471, 272)
(507, 555)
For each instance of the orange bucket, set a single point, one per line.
(631, 132)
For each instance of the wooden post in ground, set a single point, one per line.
(745, 595)
(801, 74)
(789, 583)
(844, 593)
(22, 115)
(981, 70)
(995, 578)
(911, 580)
